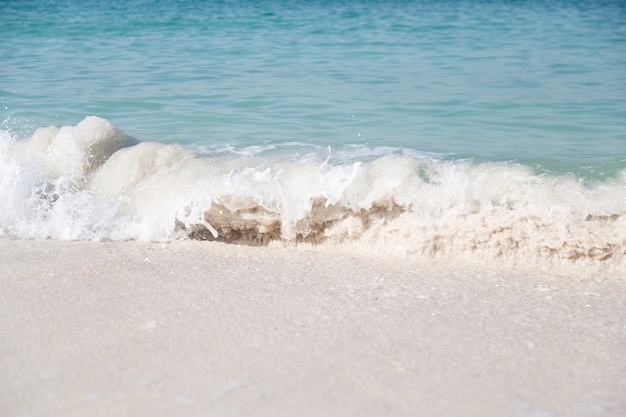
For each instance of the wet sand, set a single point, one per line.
(209, 329)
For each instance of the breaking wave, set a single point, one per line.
(93, 182)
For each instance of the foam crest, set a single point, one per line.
(44, 182)
(72, 152)
(107, 187)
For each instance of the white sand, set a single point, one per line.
(208, 329)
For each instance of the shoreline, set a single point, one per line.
(205, 328)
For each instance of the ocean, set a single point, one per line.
(477, 129)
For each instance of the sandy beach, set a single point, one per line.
(208, 329)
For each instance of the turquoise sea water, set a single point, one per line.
(529, 80)
(459, 91)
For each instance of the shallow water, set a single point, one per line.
(535, 81)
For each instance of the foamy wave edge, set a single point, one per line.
(93, 182)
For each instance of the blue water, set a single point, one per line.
(540, 82)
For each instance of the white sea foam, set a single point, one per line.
(92, 181)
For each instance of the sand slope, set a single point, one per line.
(209, 329)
